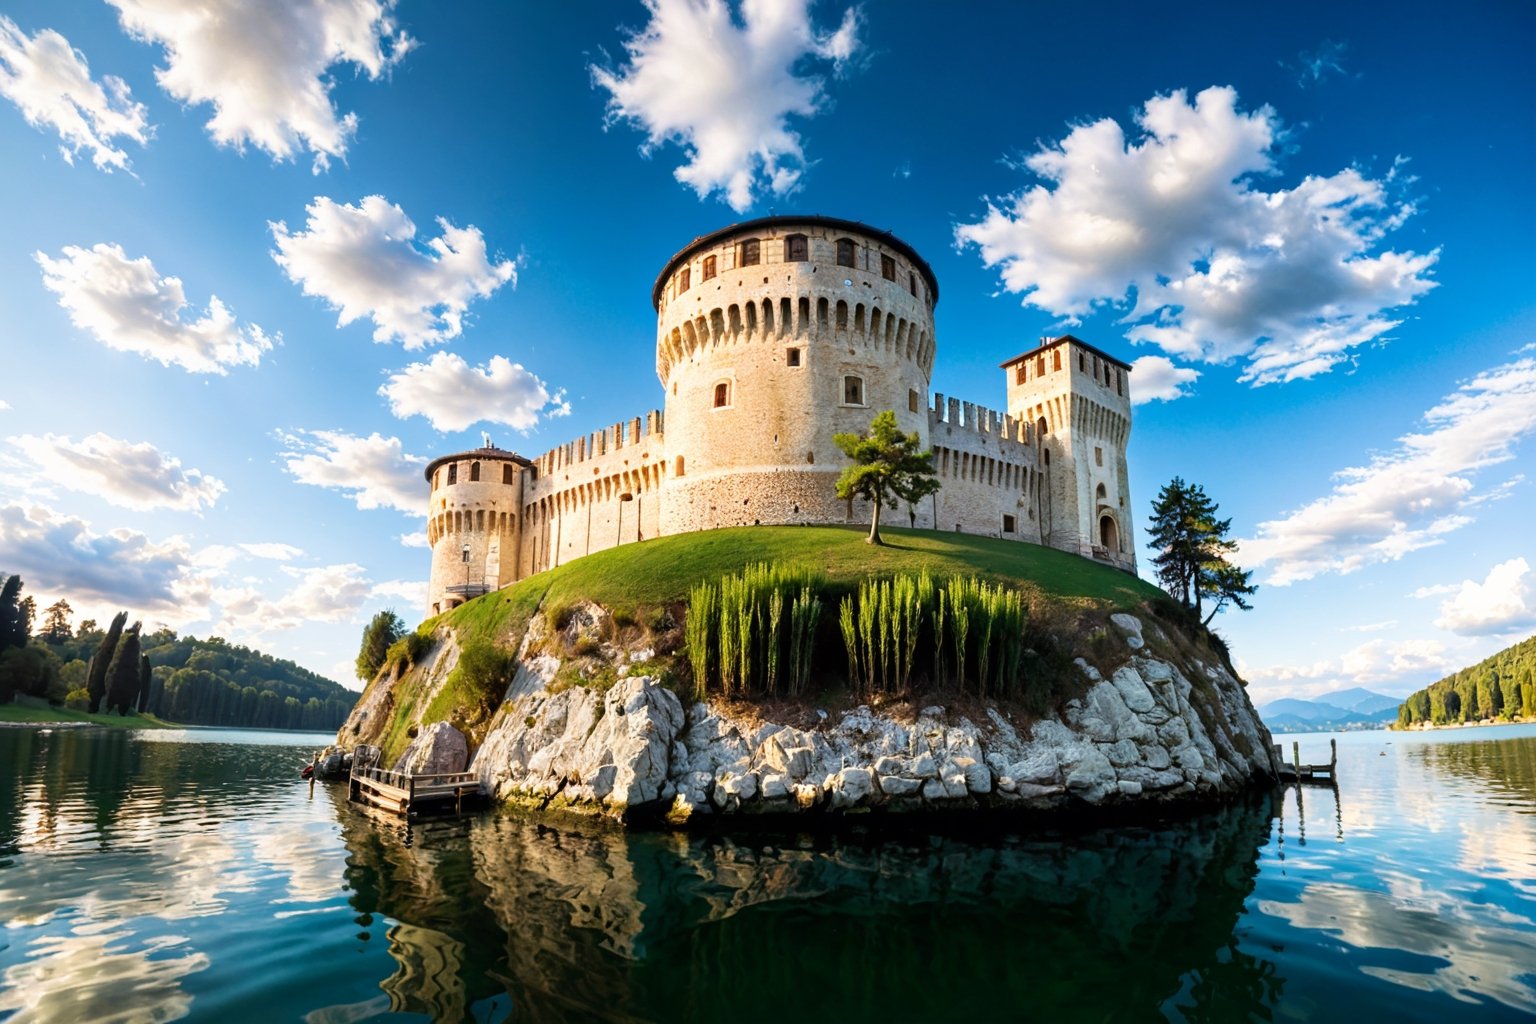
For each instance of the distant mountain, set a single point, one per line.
(1354, 708)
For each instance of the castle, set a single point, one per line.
(773, 335)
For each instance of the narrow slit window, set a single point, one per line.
(914, 401)
(453, 473)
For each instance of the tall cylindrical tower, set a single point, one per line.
(773, 335)
(472, 524)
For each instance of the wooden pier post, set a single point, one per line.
(1296, 757)
(1333, 759)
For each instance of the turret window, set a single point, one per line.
(506, 472)
(749, 253)
(684, 278)
(792, 357)
(723, 394)
(709, 267)
(796, 249)
(453, 473)
(887, 268)
(912, 284)
(845, 252)
(853, 390)
(1056, 360)
(474, 472)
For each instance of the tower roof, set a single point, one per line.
(786, 220)
(492, 454)
(1046, 344)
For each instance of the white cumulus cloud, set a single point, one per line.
(414, 540)
(328, 593)
(451, 394)
(725, 88)
(1503, 602)
(128, 306)
(128, 474)
(1171, 227)
(54, 551)
(364, 261)
(373, 471)
(412, 594)
(51, 84)
(266, 67)
(1157, 379)
(1411, 496)
(1395, 664)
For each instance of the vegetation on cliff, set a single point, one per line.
(1500, 688)
(637, 597)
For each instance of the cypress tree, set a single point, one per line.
(96, 675)
(123, 675)
(146, 677)
(10, 612)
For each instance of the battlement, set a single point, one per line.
(954, 413)
(625, 434)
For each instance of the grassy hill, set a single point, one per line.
(629, 579)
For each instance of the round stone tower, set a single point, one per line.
(472, 524)
(773, 335)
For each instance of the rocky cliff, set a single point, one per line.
(1160, 724)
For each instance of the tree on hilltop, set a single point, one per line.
(381, 632)
(1192, 549)
(56, 623)
(887, 466)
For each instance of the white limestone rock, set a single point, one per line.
(894, 785)
(437, 749)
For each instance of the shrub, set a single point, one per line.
(79, 699)
(484, 670)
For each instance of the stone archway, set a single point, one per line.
(1109, 532)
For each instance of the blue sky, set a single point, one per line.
(1310, 231)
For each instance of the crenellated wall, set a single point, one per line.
(774, 335)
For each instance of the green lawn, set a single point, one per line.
(661, 571)
(42, 716)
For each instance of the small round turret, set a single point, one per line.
(472, 524)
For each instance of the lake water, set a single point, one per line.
(165, 875)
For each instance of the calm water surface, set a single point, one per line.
(157, 876)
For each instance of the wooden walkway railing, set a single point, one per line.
(406, 793)
(1318, 774)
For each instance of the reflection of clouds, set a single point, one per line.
(1482, 950)
(310, 858)
(91, 977)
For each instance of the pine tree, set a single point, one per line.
(96, 675)
(1192, 546)
(381, 632)
(10, 613)
(56, 623)
(146, 678)
(123, 675)
(887, 466)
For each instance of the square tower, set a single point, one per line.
(1077, 402)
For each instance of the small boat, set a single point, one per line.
(329, 765)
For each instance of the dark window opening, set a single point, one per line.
(722, 395)
(845, 252)
(796, 249)
(453, 473)
(1098, 456)
(792, 357)
(914, 401)
(912, 284)
(887, 268)
(709, 267)
(684, 278)
(1056, 360)
(506, 473)
(474, 472)
(1010, 525)
(750, 254)
(1018, 373)
(853, 390)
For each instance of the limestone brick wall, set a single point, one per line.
(594, 493)
(986, 463)
(475, 501)
(763, 363)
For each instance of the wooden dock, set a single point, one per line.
(1309, 774)
(408, 794)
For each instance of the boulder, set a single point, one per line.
(438, 749)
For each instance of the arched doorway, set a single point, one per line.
(1109, 534)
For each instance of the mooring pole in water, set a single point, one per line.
(312, 765)
(1333, 761)
(1296, 757)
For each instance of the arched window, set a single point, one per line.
(709, 267)
(1040, 366)
(684, 279)
(722, 394)
(887, 268)
(845, 252)
(1101, 493)
(749, 253)
(1109, 534)
(853, 390)
(796, 249)
(474, 472)
(453, 473)
(1040, 427)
